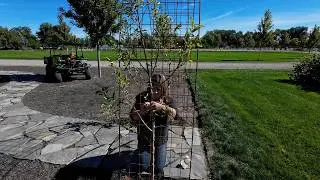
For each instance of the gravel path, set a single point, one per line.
(17, 169)
(201, 65)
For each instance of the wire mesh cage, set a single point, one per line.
(157, 117)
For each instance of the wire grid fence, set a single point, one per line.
(153, 56)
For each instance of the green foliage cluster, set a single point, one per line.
(307, 72)
(97, 18)
(54, 35)
(17, 38)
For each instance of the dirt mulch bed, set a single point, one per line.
(79, 98)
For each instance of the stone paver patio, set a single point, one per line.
(32, 135)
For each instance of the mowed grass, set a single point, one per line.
(259, 127)
(204, 56)
(249, 56)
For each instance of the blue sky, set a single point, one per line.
(241, 15)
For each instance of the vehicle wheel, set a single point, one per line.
(88, 74)
(58, 77)
(65, 76)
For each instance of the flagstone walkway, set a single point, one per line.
(33, 135)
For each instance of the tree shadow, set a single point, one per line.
(28, 78)
(37, 78)
(4, 79)
(305, 87)
(105, 167)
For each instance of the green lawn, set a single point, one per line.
(259, 127)
(250, 56)
(203, 56)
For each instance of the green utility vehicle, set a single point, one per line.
(61, 67)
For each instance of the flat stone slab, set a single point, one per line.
(10, 146)
(88, 139)
(20, 112)
(62, 142)
(27, 150)
(64, 156)
(192, 134)
(15, 119)
(12, 133)
(107, 135)
(39, 117)
(93, 157)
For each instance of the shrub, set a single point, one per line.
(307, 72)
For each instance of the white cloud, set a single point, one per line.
(221, 16)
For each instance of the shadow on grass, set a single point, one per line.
(304, 87)
(101, 167)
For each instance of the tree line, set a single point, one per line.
(48, 36)
(60, 35)
(264, 37)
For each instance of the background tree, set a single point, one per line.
(264, 29)
(212, 40)
(55, 35)
(295, 43)
(249, 40)
(208, 39)
(24, 33)
(16, 40)
(46, 35)
(4, 33)
(6, 39)
(285, 39)
(314, 38)
(300, 33)
(96, 17)
(239, 40)
(62, 32)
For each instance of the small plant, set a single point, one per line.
(307, 72)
